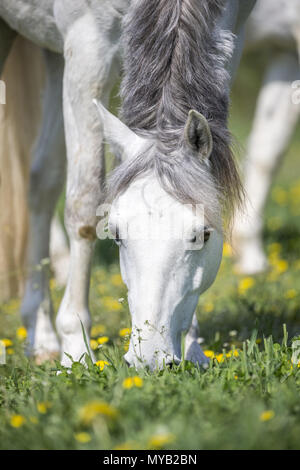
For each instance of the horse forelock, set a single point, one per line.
(175, 60)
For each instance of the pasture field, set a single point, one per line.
(248, 398)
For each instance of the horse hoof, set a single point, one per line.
(195, 354)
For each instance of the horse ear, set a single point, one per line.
(197, 134)
(124, 143)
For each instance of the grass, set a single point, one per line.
(248, 398)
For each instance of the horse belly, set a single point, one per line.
(34, 20)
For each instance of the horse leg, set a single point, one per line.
(59, 252)
(275, 119)
(89, 50)
(193, 350)
(47, 177)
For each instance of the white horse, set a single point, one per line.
(164, 279)
(275, 25)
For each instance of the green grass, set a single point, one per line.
(183, 408)
(221, 408)
(247, 401)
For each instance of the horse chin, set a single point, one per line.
(158, 361)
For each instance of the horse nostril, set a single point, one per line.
(173, 363)
(170, 365)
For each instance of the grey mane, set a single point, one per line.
(175, 60)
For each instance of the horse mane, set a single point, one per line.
(175, 60)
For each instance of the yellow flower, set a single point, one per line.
(208, 307)
(227, 250)
(220, 357)
(111, 304)
(125, 332)
(209, 353)
(97, 330)
(43, 407)
(246, 284)
(95, 408)
(295, 364)
(235, 377)
(279, 266)
(138, 382)
(126, 345)
(267, 415)
(17, 421)
(282, 266)
(116, 280)
(233, 353)
(103, 340)
(130, 382)
(102, 364)
(6, 342)
(159, 441)
(10, 351)
(21, 333)
(290, 294)
(82, 437)
(93, 344)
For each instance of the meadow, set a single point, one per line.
(248, 398)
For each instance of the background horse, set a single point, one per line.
(90, 68)
(24, 73)
(274, 26)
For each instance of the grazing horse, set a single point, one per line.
(275, 25)
(175, 149)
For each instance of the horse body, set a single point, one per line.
(88, 33)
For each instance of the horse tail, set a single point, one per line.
(19, 117)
